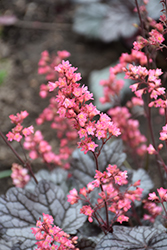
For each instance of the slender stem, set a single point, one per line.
(164, 208)
(101, 186)
(153, 141)
(135, 214)
(143, 33)
(9, 145)
(24, 163)
(23, 151)
(141, 21)
(166, 120)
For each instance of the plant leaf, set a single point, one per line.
(109, 22)
(57, 176)
(118, 14)
(5, 173)
(124, 238)
(86, 244)
(88, 19)
(111, 154)
(146, 182)
(10, 245)
(82, 168)
(98, 90)
(88, 237)
(100, 21)
(83, 165)
(20, 209)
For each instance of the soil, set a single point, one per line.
(20, 49)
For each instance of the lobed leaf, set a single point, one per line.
(124, 238)
(146, 182)
(112, 20)
(57, 176)
(20, 209)
(83, 165)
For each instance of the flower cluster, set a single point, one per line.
(113, 86)
(153, 210)
(118, 202)
(63, 127)
(19, 175)
(155, 38)
(129, 128)
(163, 133)
(39, 148)
(47, 66)
(151, 206)
(52, 237)
(47, 63)
(152, 83)
(72, 104)
(18, 131)
(162, 194)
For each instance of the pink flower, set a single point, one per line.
(122, 218)
(151, 150)
(153, 196)
(82, 118)
(90, 128)
(155, 37)
(10, 136)
(87, 210)
(73, 196)
(163, 134)
(101, 134)
(19, 175)
(92, 146)
(162, 193)
(17, 137)
(82, 133)
(28, 131)
(19, 117)
(46, 234)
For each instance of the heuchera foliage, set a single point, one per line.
(77, 121)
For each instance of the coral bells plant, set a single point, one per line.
(18, 131)
(62, 126)
(117, 202)
(90, 197)
(19, 175)
(46, 234)
(47, 64)
(72, 104)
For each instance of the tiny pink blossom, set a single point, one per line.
(162, 193)
(28, 131)
(151, 150)
(10, 136)
(153, 196)
(122, 218)
(92, 146)
(19, 175)
(17, 137)
(73, 196)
